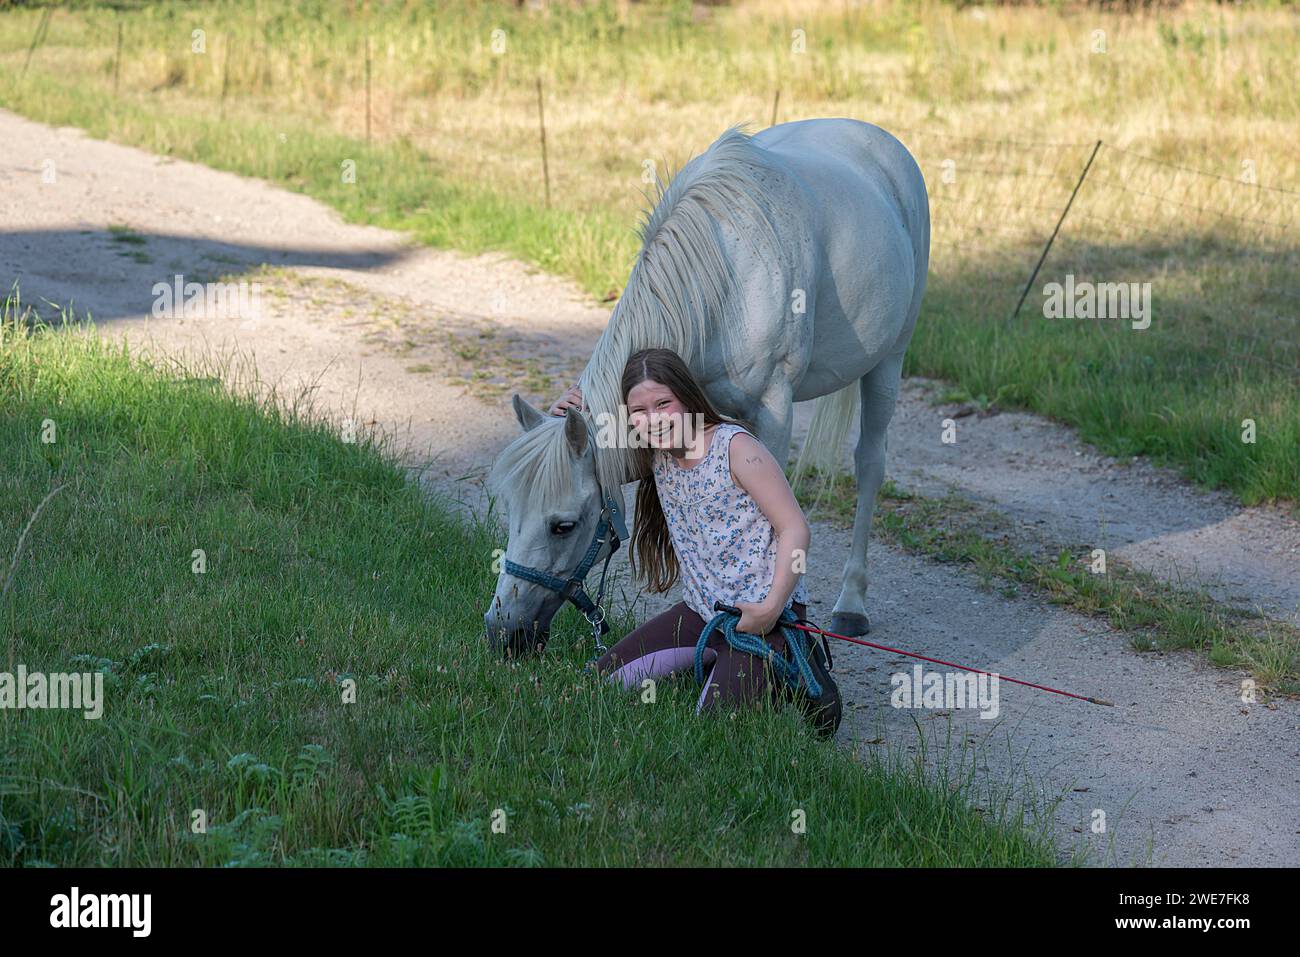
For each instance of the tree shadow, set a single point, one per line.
(110, 274)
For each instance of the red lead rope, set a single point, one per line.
(719, 606)
(939, 661)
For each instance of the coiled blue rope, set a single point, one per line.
(791, 672)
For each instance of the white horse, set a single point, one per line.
(783, 266)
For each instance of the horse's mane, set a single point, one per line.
(679, 290)
(680, 287)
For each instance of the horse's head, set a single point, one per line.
(547, 481)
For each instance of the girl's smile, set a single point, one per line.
(658, 417)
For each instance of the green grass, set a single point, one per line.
(324, 566)
(1154, 614)
(453, 159)
(124, 234)
(1180, 403)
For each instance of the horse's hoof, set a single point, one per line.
(850, 624)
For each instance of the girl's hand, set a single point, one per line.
(758, 618)
(571, 399)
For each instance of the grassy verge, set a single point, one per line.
(321, 568)
(1154, 614)
(1000, 106)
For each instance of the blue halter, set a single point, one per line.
(610, 530)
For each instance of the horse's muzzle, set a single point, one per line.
(515, 642)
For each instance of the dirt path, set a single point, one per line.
(430, 345)
(1041, 474)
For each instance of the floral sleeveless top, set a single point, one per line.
(725, 545)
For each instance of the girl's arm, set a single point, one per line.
(755, 470)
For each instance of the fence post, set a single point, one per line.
(225, 72)
(541, 122)
(1065, 212)
(38, 38)
(117, 60)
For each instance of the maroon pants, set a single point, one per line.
(666, 644)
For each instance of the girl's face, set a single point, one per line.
(656, 414)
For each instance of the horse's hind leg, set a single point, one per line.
(879, 395)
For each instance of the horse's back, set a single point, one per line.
(862, 201)
(840, 154)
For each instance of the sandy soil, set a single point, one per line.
(430, 344)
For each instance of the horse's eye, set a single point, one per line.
(562, 528)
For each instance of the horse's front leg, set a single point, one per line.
(773, 418)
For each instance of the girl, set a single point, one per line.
(715, 500)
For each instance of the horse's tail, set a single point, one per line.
(821, 450)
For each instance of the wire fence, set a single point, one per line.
(1221, 253)
(1013, 215)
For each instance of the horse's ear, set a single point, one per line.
(575, 431)
(528, 417)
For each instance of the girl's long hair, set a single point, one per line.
(651, 543)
